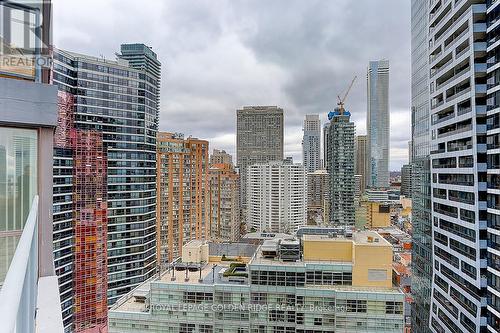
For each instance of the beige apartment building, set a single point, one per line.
(224, 203)
(182, 193)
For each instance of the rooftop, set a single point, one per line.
(232, 249)
(360, 237)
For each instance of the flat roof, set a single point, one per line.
(359, 237)
(232, 249)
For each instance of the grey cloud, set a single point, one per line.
(220, 55)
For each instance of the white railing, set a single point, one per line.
(19, 290)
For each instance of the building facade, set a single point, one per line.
(311, 143)
(276, 200)
(106, 134)
(326, 133)
(493, 161)
(406, 178)
(224, 199)
(377, 125)
(283, 286)
(183, 194)
(140, 56)
(318, 197)
(458, 87)
(421, 178)
(360, 159)
(259, 139)
(341, 171)
(220, 157)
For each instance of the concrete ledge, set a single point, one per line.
(48, 313)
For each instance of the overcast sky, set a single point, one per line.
(218, 56)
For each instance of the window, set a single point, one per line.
(18, 186)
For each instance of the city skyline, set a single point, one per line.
(151, 185)
(218, 63)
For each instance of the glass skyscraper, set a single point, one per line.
(421, 198)
(108, 120)
(341, 169)
(377, 124)
(311, 143)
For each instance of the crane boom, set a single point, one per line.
(349, 89)
(342, 100)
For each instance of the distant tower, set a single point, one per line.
(259, 139)
(276, 196)
(140, 56)
(326, 130)
(183, 194)
(311, 143)
(377, 124)
(406, 176)
(224, 214)
(341, 170)
(220, 157)
(360, 160)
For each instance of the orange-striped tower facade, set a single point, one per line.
(81, 177)
(182, 193)
(90, 227)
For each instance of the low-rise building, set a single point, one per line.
(320, 283)
(378, 214)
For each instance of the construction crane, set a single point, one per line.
(341, 101)
(339, 110)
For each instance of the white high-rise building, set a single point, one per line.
(493, 174)
(276, 197)
(459, 64)
(311, 143)
(377, 124)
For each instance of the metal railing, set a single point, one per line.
(18, 296)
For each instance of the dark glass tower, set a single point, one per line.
(108, 120)
(341, 170)
(421, 197)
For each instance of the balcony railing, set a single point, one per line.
(29, 303)
(18, 294)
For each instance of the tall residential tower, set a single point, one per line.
(104, 236)
(259, 139)
(311, 143)
(360, 160)
(457, 60)
(183, 194)
(341, 170)
(420, 162)
(224, 197)
(493, 160)
(276, 196)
